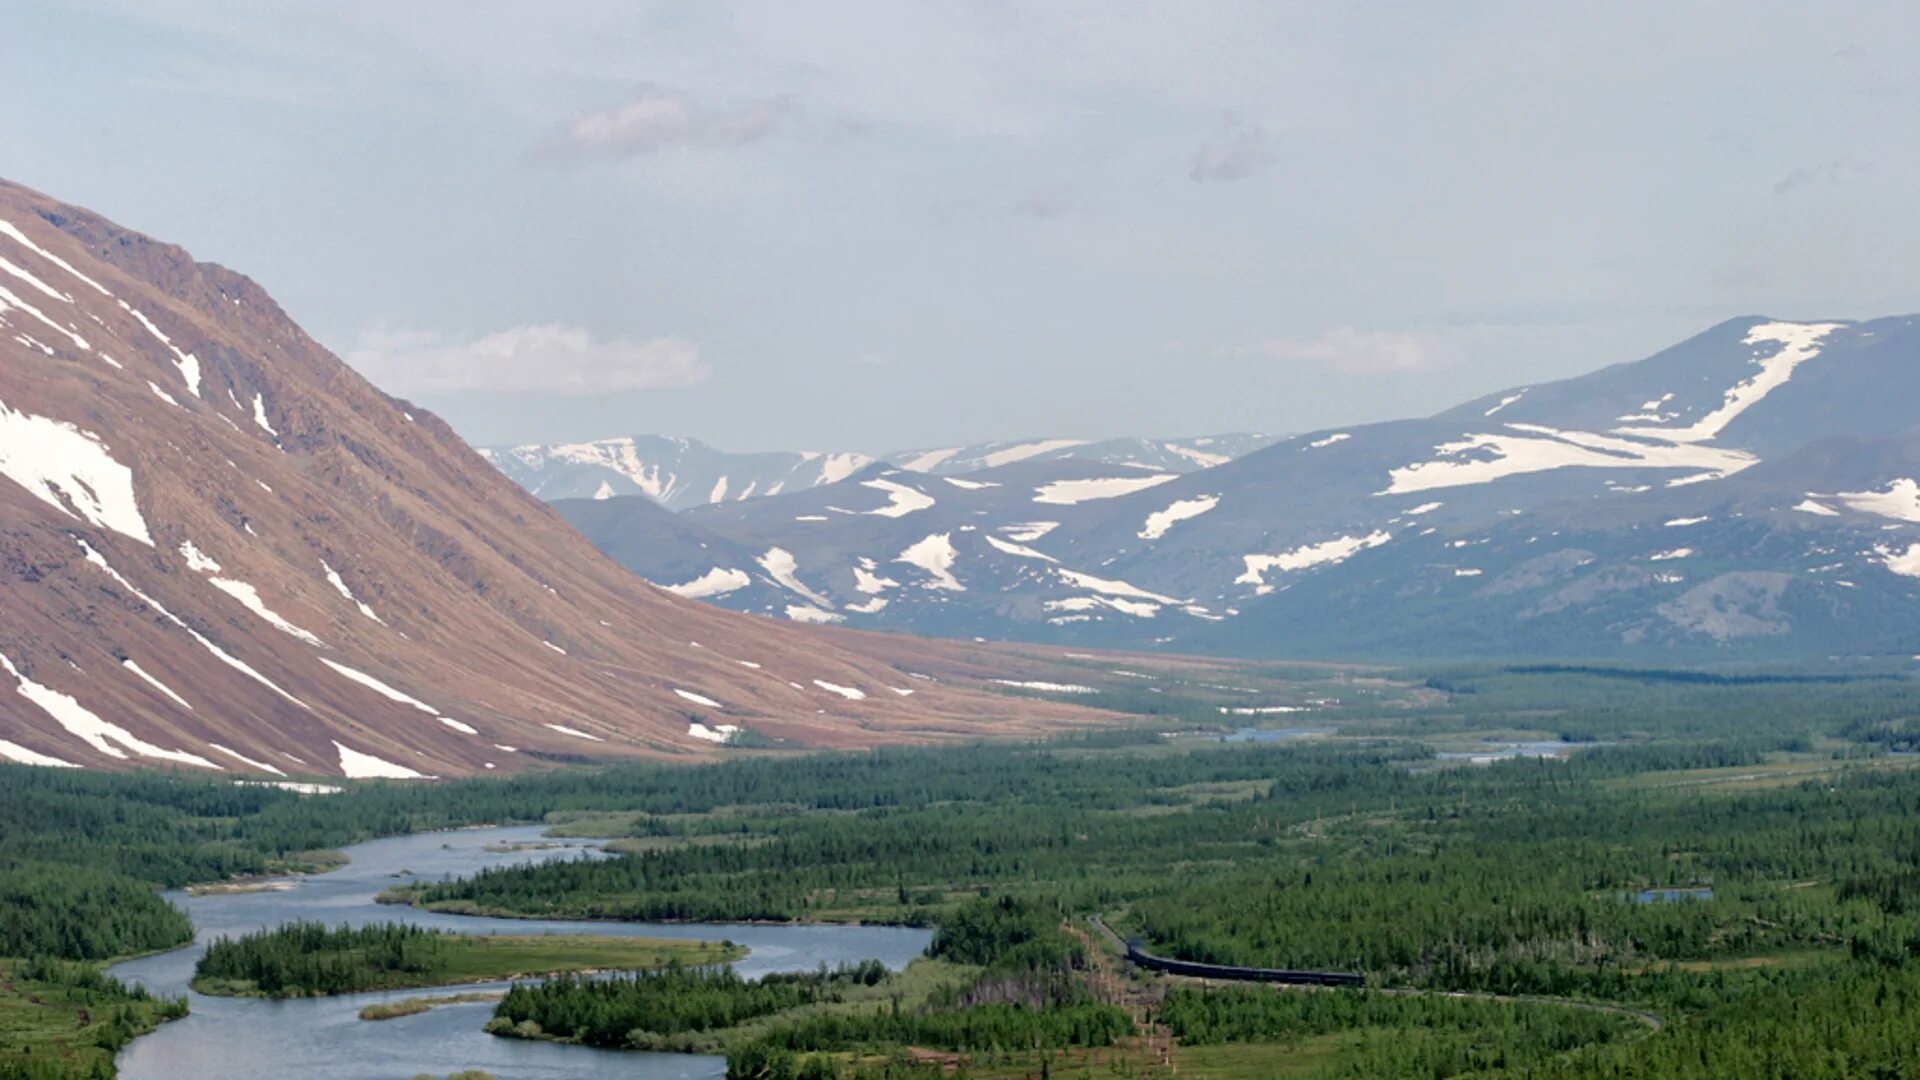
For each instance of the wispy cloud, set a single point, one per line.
(1235, 152)
(1047, 203)
(1359, 352)
(1837, 171)
(549, 358)
(657, 119)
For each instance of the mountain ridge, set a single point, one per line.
(222, 548)
(682, 473)
(1250, 556)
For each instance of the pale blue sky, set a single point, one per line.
(884, 224)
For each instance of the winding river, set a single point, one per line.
(324, 1038)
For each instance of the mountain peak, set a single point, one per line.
(221, 547)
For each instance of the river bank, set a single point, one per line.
(325, 1039)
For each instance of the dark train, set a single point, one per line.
(1241, 974)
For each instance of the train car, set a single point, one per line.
(1230, 973)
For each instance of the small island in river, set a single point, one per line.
(307, 959)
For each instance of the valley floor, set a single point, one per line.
(1673, 879)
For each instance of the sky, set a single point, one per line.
(887, 224)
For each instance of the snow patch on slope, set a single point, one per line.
(1074, 492)
(98, 560)
(7, 229)
(1900, 501)
(20, 755)
(848, 692)
(358, 766)
(780, 565)
(1797, 343)
(1905, 563)
(378, 687)
(1199, 457)
(720, 733)
(1160, 521)
(1020, 550)
(141, 673)
(1530, 448)
(71, 471)
(340, 586)
(929, 460)
(1023, 451)
(837, 467)
(718, 581)
(1026, 532)
(249, 598)
(260, 417)
(1047, 687)
(1504, 402)
(868, 581)
(188, 364)
(905, 500)
(90, 729)
(244, 759)
(1112, 588)
(935, 555)
(1324, 553)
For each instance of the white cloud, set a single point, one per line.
(1360, 352)
(548, 358)
(657, 118)
(1237, 152)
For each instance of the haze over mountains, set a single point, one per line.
(681, 473)
(1749, 492)
(220, 548)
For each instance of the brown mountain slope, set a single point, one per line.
(220, 547)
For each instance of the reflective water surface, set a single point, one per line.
(324, 1038)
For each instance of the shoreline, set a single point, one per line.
(551, 916)
(661, 952)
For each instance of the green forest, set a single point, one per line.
(1717, 877)
(310, 959)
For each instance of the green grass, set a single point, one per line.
(68, 1027)
(1312, 1056)
(499, 958)
(414, 1006)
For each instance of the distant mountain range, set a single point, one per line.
(683, 473)
(223, 550)
(1751, 492)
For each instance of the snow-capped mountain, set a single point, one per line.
(1163, 455)
(851, 550)
(1358, 539)
(682, 473)
(677, 473)
(222, 549)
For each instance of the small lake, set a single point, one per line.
(1266, 735)
(324, 1038)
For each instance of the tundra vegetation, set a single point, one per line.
(1717, 876)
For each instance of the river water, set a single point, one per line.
(324, 1038)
